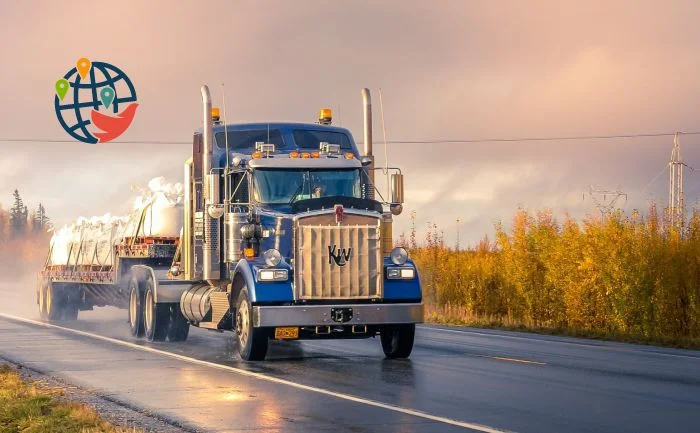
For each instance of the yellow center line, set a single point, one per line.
(502, 358)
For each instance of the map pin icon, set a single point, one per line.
(62, 88)
(107, 96)
(83, 66)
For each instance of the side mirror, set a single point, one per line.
(397, 188)
(365, 161)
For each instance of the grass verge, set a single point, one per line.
(31, 408)
(460, 316)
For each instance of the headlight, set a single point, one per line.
(400, 273)
(272, 257)
(273, 275)
(399, 256)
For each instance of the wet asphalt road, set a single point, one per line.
(498, 380)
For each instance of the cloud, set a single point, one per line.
(461, 70)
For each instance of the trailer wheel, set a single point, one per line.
(397, 340)
(135, 308)
(52, 302)
(156, 316)
(42, 301)
(252, 342)
(179, 326)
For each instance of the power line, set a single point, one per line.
(521, 139)
(427, 141)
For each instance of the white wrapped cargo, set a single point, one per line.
(91, 241)
(163, 209)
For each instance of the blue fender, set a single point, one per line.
(279, 291)
(404, 290)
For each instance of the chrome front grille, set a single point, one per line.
(338, 261)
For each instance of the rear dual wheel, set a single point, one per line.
(157, 321)
(55, 302)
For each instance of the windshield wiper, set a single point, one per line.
(296, 193)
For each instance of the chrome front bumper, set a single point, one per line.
(319, 315)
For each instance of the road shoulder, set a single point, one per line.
(117, 413)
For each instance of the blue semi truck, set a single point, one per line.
(282, 238)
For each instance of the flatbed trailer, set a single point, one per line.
(101, 285)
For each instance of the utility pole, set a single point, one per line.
(676, 206)
(605, 199)
(457, 243)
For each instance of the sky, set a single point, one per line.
(446, 69)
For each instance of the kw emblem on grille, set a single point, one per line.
(340, 256)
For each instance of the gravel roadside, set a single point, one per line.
(117, 412)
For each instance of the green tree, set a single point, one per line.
(18, 216)
(40, 222)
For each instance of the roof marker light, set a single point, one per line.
(325, 116)
(305, 155)
(294, 154)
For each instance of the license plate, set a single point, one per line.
(288, 333)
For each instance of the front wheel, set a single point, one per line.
(252, 342)
(397, 340)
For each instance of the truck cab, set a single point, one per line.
(299, 245)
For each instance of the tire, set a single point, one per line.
(53, 303)
(252, 342)
(156, 317)
(179, 326)
(42, 301)
(397, 340)
(135, 308)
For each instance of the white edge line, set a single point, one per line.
(613, 346)
(348, 397)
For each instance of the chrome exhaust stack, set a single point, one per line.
(367, 115)
(210, 183)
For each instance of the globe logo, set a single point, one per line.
(89, 99)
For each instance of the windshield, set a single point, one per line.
(288, 186)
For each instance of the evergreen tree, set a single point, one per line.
(40, 222)
(18, 216)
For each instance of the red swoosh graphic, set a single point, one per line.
(113, 126)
